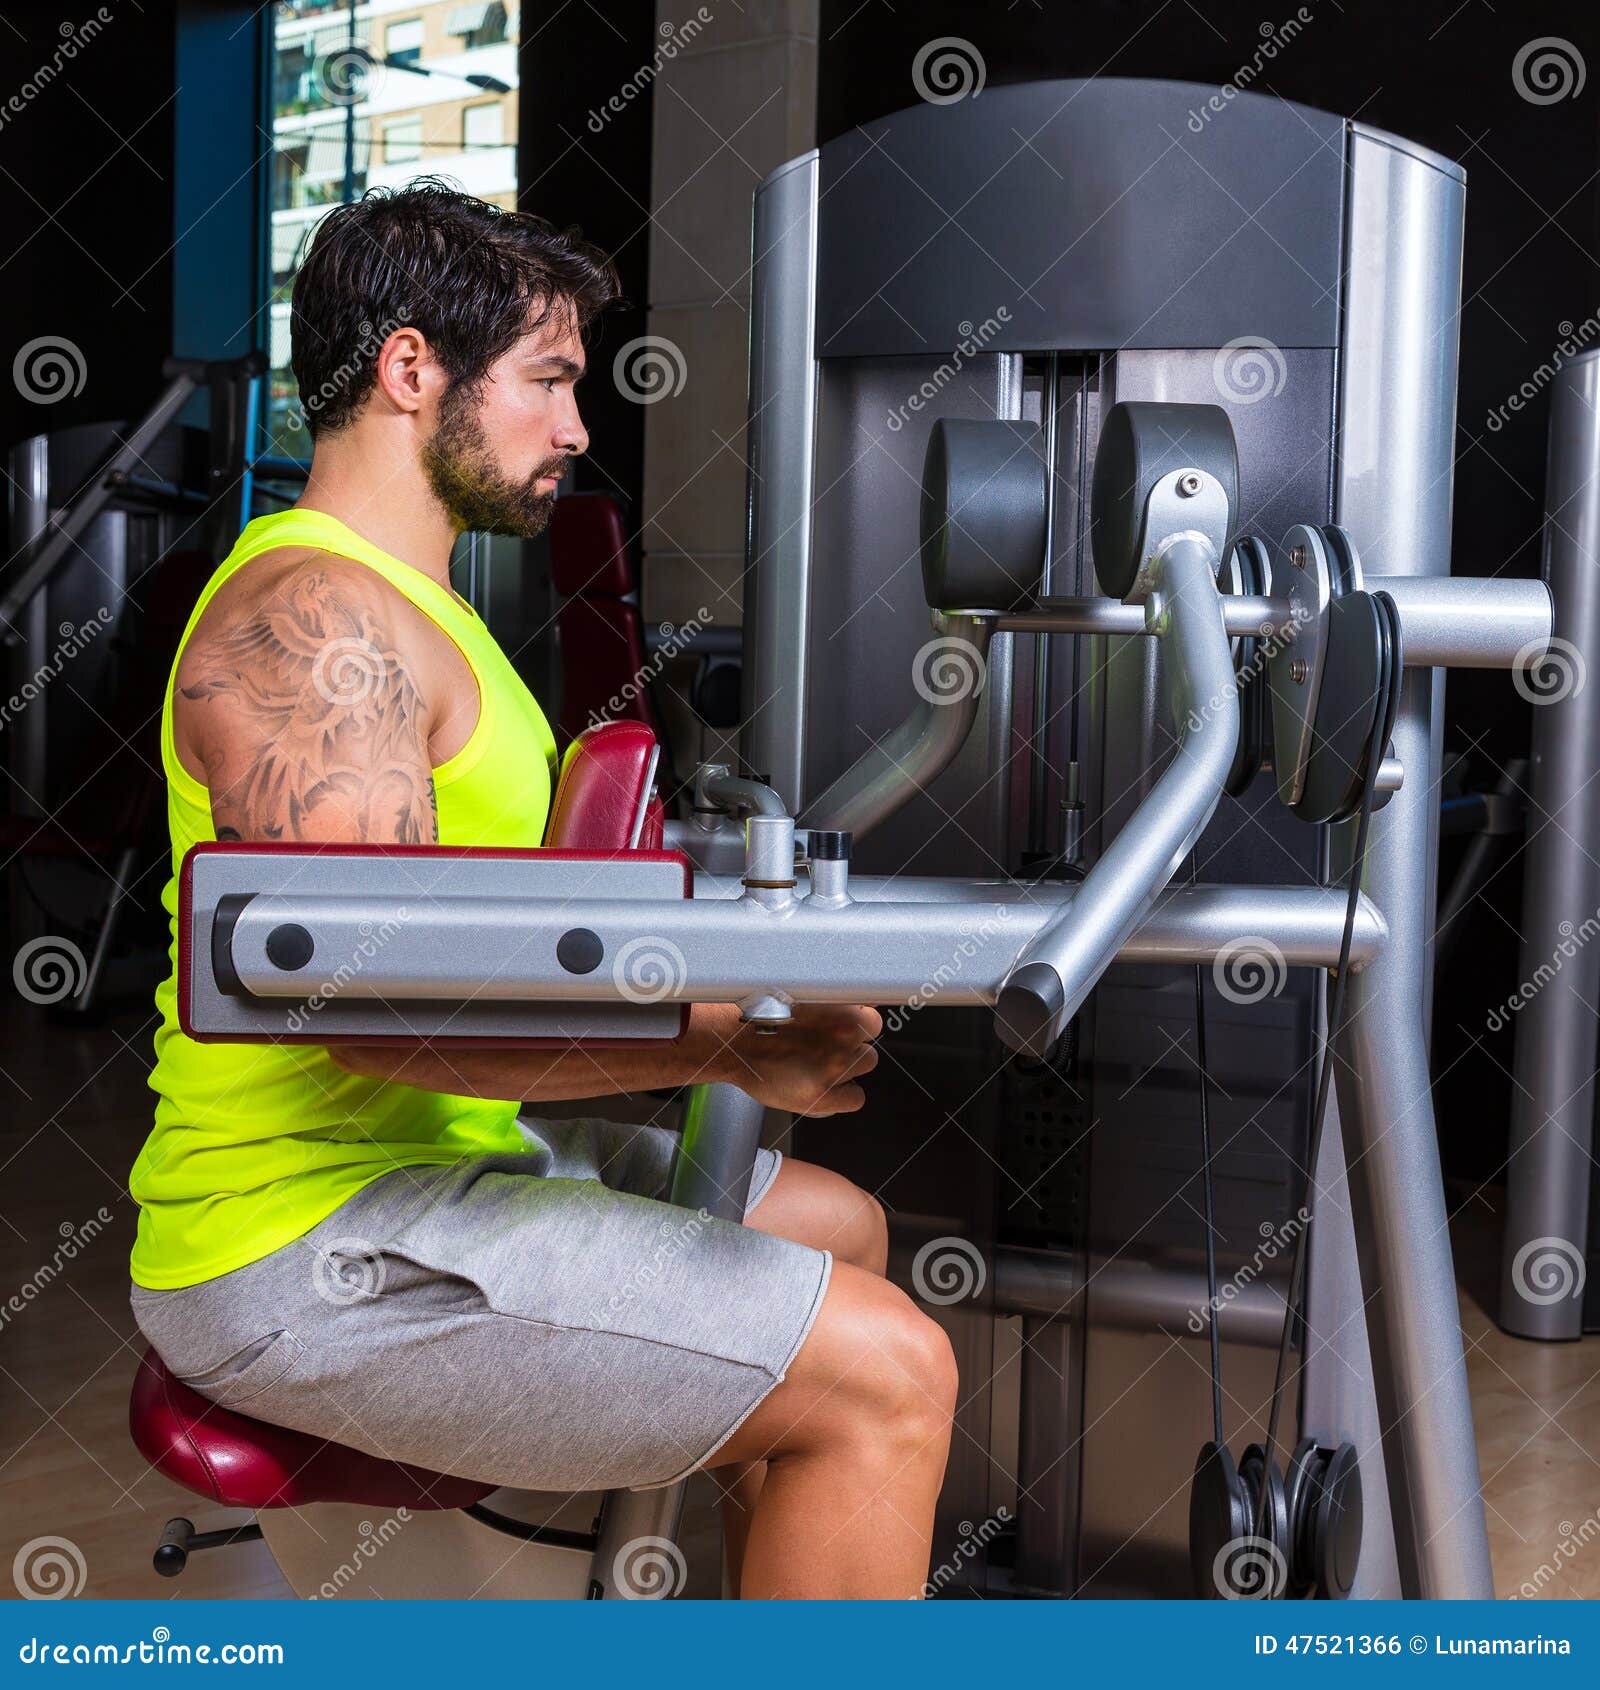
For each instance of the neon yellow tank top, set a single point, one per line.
(255, 1144)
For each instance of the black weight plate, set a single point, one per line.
(1139, 443)
(1354, 662)
(983, 514)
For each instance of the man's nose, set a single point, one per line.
(570, 435)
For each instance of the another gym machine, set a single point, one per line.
(993, 856)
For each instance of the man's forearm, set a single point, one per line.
(703, 1054)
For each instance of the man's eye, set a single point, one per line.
(548, 383)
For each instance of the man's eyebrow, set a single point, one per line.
(555, 361)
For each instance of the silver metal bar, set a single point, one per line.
(1468, 621)
(87, 503)
(1060, 968)
(1397, 385)
(916, 753)
(1125, 1295)
(781, 443)
(1458, 621)
(956, 950)
(1242, 614)
(1552, 1111)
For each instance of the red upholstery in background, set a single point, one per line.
(604, 667)
(605, 785)
(589, 546)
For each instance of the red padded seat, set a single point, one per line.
(604, 801)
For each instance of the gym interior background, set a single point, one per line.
(160, 166)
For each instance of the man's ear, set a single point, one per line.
(409, 376)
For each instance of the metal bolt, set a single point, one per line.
(1298, 671)
(1188, 484)
(1297, 556)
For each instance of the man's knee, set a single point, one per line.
(895, 1369)
(865, 1232)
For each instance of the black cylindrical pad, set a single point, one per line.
(1139, 443)
(983, 514)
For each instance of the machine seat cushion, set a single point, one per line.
(243, 1463)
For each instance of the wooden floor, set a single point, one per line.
(73, 1111)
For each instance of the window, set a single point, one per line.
(480, 24)
(402, 141)
(482, 126)
(327, 137)
(402, 41)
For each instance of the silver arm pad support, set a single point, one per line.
(1058, 970)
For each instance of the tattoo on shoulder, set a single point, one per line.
(338, 725)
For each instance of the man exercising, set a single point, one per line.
(368, 1244)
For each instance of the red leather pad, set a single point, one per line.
(604, 788)
(243, 1463)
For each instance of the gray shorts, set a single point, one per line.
(539, 1320)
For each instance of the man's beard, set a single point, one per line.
(478, 496)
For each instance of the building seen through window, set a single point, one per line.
(371, 94)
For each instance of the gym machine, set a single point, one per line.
(921, 825)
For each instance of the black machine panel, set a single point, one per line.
(1132, 173)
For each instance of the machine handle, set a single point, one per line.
(1055, 973)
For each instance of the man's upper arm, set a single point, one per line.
(303, 701)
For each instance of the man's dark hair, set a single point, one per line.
(471, 276)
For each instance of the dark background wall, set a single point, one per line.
(1434, 71)
(87, 199)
